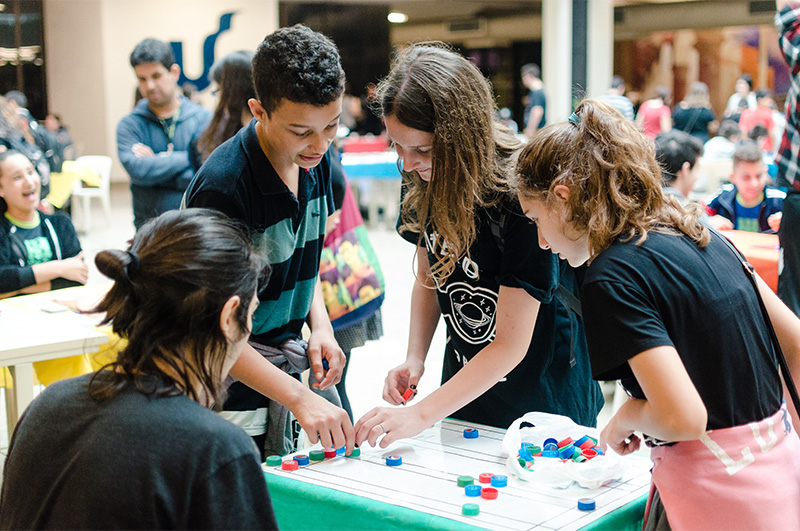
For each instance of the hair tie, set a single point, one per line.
(574, 119)
(133, 264)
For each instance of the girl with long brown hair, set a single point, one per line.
(515, 342)
(670, 311)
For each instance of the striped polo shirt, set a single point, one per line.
(239, 180)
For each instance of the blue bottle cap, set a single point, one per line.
(566, 452)
(394, 460)
(586, 504)
(550, 446)
(302, 460)
(581, 440)
(473, 491)
(525, 454)
(550, 453)
(499, 481)
(550, 440)
(471, 433)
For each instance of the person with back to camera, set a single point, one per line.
(654, 115)
(275, 176)
(669, 309)
(233, 75)
(514, 340)
(747, 203)
(136, 446)
(694, 114)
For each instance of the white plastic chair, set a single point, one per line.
(82, 195)
(713, 174)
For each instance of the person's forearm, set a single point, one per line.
(318, 320)
(482, 372)
(425, 314)
(256, 372)
(47, 271)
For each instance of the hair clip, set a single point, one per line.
(574, 119)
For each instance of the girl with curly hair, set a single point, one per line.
(670, 311)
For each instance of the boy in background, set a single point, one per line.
(747, 203)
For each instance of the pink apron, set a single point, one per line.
(744, 477)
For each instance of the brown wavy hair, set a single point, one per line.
(614, 179)
(432, 89)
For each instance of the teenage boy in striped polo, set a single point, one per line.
(274, 176)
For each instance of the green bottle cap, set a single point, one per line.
(470, 509)
(355, 453)
(463, 481)
(274, 460)
(316, 455)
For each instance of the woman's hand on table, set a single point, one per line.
(391, 423)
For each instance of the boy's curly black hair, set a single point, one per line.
(298, 64)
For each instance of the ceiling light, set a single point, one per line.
(397, 18)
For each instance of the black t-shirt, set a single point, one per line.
(668, 291)
(554, 376)
(130, 463)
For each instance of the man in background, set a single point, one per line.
(536, 101)
(153, 140)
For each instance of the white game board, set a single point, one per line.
(432, 462)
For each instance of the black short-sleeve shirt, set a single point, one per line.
(668, 291)
(554, 376)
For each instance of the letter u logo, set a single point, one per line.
(210, 42)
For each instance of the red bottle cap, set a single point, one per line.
(489, 493)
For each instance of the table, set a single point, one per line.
(363, 493)
(28, 334)
(377, 178)
(761, 250)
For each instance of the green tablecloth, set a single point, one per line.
(303, 506)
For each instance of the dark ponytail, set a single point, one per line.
(169, 289)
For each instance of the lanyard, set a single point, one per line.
(170, 131)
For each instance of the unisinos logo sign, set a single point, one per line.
(202, 81)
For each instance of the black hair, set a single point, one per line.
(170, 286)
(233, 74)
(728, 129)
(152, 51)
(297, 64)
(758, 131)
(3, 156)
(763, 93)
(748, 152)
(675, 148)
(747, 78)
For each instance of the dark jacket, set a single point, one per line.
(724, 204)
(15, 274)
(158, 183)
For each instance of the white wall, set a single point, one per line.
(90, 81)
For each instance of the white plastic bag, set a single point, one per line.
(591, 474)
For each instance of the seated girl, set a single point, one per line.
(670, 311)
(135, 446)
(38, 252)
